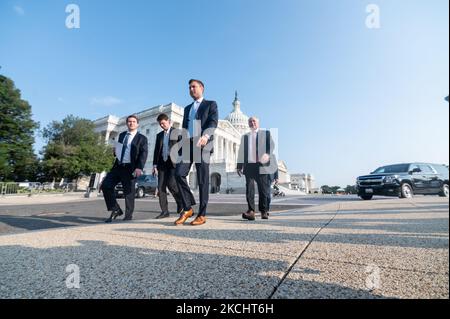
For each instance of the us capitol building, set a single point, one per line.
(227, 139)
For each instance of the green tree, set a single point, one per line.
(351, 189)
(326, 189)
(334, 189)
(329, 190)
(74, 149)
(17, 159)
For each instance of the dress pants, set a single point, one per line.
(124, 174)
(252, 175)
(182, 171)
(166, 180)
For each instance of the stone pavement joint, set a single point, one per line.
(301, 254)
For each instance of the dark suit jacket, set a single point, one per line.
(207, 113)
(139, 150)
(263, 140)
(158, 153)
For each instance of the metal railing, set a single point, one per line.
(8, 188)
(12, 188)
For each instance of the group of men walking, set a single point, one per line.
(176, 150)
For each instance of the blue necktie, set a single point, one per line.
(192, 117)
(124, 147)
(165, 147)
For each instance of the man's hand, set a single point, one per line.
(202, 141)
(154, 171)
(264, 159)
(137, 172)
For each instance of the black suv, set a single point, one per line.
(405, 180)
(145, 184)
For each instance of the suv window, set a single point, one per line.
(426, 169)
(441, 169)
(146, 178)
(399, 168)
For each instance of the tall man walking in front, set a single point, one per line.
(131, 154)
(164, 166)
(200, 120)
(257, 162)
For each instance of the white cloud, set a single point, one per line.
(19, 10)
(105, 101)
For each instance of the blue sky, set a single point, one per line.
(345, 98)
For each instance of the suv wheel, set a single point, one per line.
(366, 197)
(444, 191)
(140, 192)
(406, 191)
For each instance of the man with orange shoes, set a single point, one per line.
(199, 122)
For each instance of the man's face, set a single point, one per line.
(165, 124)
(132, 124)
(196, 90)
(253, 124)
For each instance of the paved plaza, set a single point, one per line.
(336, 248)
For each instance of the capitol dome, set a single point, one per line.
(238, 119)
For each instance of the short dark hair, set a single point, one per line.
(162, 117)
(133, 116)
(198, 81)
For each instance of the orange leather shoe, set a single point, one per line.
(199, 220)
(184, 216)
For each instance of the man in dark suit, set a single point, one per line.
(164, 166)
(199, 122)
(257, 162)
(131, 154)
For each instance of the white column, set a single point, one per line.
(230, 154)
(222, 151)
(107, 136)
(227, 143)
(227, 154)
(234, 153)
(216, 149)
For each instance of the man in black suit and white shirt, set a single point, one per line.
(199, 121)
(257, 162)
(164, 166)
(128, 166)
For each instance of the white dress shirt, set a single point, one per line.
(193, 130)
(251, 144)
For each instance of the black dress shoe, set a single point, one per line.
(163, 215)
(127, 218)
(114, 215)
(265, 215)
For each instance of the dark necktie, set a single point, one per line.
(124, 147)
(165, 147)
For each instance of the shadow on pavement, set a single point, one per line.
(121, 272)
(415, 233)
